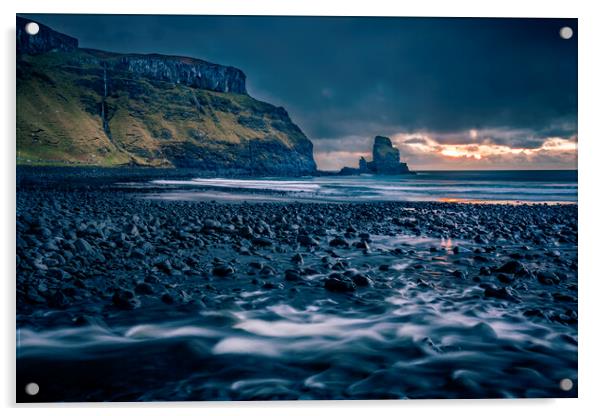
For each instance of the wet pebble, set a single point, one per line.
(339, 283)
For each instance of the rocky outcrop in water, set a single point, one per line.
(385, 160)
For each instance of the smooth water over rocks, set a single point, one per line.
(121, 297)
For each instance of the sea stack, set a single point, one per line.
(385, 160)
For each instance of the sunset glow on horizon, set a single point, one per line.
(479, 151)
(424, 151)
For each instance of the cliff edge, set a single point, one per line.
(78, 106)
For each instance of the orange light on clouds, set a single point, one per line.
(421, 143)
(475, 149)
(559, 144)
(454, 151)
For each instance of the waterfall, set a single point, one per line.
(104, 70)
(103, 110)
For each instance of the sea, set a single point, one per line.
(509, 186)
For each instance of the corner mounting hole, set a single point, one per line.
(566, 32)
(566, 384)
(32, 389)
(32, 28)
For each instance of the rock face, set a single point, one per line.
(385, 160)
(191, 72)
(363, 165)
(80, 106)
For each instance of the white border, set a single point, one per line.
(590, 276)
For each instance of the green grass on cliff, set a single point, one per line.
(59, 101)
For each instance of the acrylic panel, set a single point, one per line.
(295, 208)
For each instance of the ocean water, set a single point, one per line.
(552, 186)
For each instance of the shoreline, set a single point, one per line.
(190, 184)
(236, 196)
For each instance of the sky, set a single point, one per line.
(451, 93)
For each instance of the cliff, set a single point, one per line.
(385, 160)
(79, 106)
(178, 70)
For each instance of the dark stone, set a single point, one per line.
(503, 293)
(167, 298)
(338, 283)
(363, 245)
(561, 297)
(262, 241)
(165, 265)
(44, 232)
(58, 300)
(547, 278)
(307, 241)
(223, 270)
(512, 267)
(144, 288)
(361, 280)
(267, 271)
(84, 248)
(297, 258)
(338, 242)
(459, 274)
(59, 274)
(125, 299)
(272, 285)
(534, 313)
(256, 265)
(291, 275)
(339, 265)
(485, 271)
(505, 278)
(213, 224)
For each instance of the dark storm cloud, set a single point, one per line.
(515, 138)
(350, 77)
(520, 141)
(415, 140)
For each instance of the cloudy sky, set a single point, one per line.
(451, 93)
